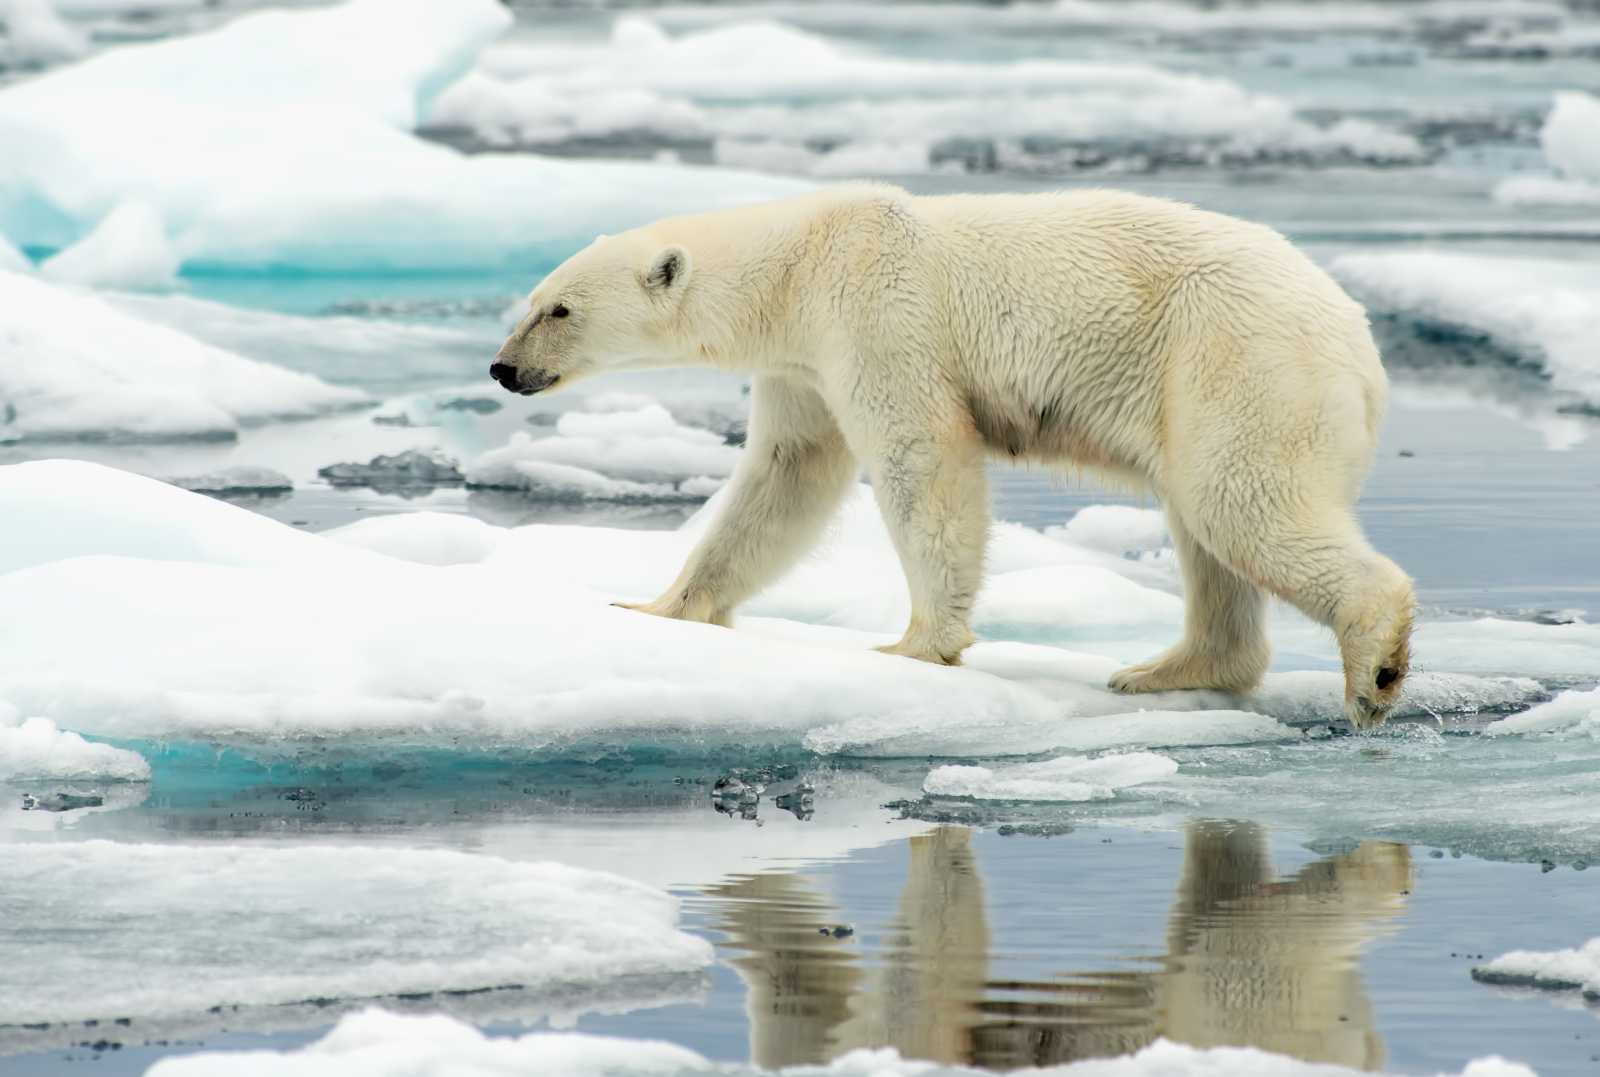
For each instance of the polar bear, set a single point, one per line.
(1185, 353)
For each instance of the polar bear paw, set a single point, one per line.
(678, 609)
(1182, 669)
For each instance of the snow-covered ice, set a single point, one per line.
(1558, 970)
(1543, 311)
(35, 750)
(735, 85)
(200, 632)
(636, 454)
(71, 365)
(374, 1043)
(1570, 138)
(236, 481)
(1570, 713)
(163, 933)
(35, 33)
(1068, 777)
(128, 249)
(327, 173)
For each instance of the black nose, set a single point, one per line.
(505, 374)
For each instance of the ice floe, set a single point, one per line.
(200, 631)
(1543, 312)
(35, 33)
(127, 249)
(71, 365)
(848, 110)
(1069, 777)
(242, 481)
(638, 454)
(327, 173)
(374, 1043)
(396, 472)
(35, 750)
(1570, 138)
(171, 936)
(1557, 970)
(1569, 713)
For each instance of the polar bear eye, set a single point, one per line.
(559, 311)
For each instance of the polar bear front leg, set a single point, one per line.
(793, 474)
(935, 501)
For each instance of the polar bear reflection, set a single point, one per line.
(1251, 960)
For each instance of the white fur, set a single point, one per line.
(1184, 352)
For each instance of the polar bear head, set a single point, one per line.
(613, 305)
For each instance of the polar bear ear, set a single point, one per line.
(667, 270)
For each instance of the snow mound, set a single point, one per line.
(1569, 713)
(1546, 312)
(378, 1044)
(1070, 777)
(1570, 138)
(1560, 970)
(437, 538)
(327, 174)
(635, 454)
(368, 923)
(35, 750)
(128, 249)
(71, 365)
(731, 86)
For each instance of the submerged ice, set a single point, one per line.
(169, 936)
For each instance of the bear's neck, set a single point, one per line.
(738, 313)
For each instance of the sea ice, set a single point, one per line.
(35, 750)
(164, 933)
(1571, 141)
(128, 249)
(200, 633)
(1555, 969)
(411, 469)
(374, 1043)
(734, 85)
(1069, 777)
(236, 482)
(36, 34)
(327, 174)
(13, 260)
(1545, 311)
(61, 380)
(1569, 713)
(639, 454)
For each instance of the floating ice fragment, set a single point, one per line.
(327, 173)
(242, 481)
(1570, 713)
(36, 34)
(1544, 311)
(640, 455)
(1559, 970)
(367, 923)
(73, 366)
(1571, 141)
(35, 750)
(413, 469)
(1069, 777)
(378, 1044)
